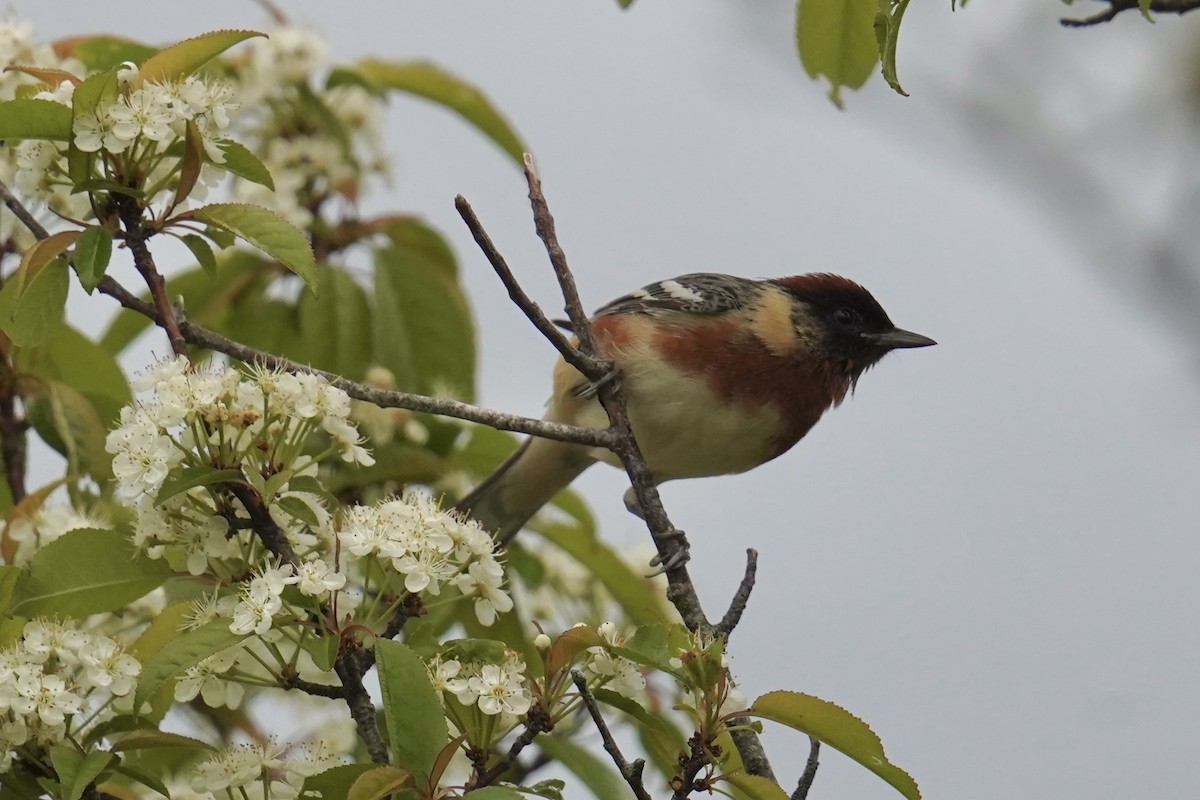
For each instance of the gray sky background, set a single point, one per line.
(990, 553)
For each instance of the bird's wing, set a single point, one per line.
(695, 293)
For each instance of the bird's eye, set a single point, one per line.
(845, 316)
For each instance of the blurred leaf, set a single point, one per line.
(632, 591)
(67, 421)
(243, 163)
(316, 111)
(92, 253)
(335, 781)
(74, 359)
(836, 40)
(598, 776)
(25, 510)
(202, 252)
(190, 163)
(1144, 7)
(86, 571)
(268, 231)
(35, 119)
(669, 740)
(186, 649)
(495, 793)
(33, 315)
(335, 327)
(154, 739)
(755, 787)
(100, 53)
(378, 783)
(416, 724)
(183, 58)
(430, 81)
(47, 75)
(836, 727)
(396, 462)
(423, 325)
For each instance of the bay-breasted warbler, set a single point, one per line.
(720, 374)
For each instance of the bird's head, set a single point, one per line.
(841, 323)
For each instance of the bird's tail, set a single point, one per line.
(538, 470)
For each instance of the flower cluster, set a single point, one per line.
(495, 689)
(605, 668)
(57, 681)
(260, 770)
(257, 426)
(428, 547)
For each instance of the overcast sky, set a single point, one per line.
(991, 552)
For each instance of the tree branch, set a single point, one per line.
(536, 723)
(361, 708)
(384, 398)
(1115, 7)
(631, 772)
(135, 238)
(810, 770)
(740, 598)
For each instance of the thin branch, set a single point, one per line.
(291, 680)
(631, 772)
(202, 337)
(740, 598)
(270, 534)
(523, 301)
(810, 771)
(1115, 7)
(22, 213)
(671, 542)
(685, 783)
(362, 709)
(537, 722)
(135, 238)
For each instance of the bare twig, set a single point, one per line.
(523, 301)
(810, 771)
(740, 598)
(537, 722)
(362, 709)
(631, 772)
(135, 238)
(1115, 7)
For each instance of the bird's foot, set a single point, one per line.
(678, 556)
(592, 388)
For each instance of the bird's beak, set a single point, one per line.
(897, 338)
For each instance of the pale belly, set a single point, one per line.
(686, 431)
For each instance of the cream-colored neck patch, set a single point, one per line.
(772, 321)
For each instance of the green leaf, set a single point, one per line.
(378, 783)
(92, 253)
(1144, 7)
(836, 40)
(84, 572)
(182, 59)
(423, 325)
(334, 782)
(35, 119)
(268, 231)
(191, 477)
(71, 358)
(99, 53)
(415, 723)
(496, 793)
(569, 644)
(755, 787)
(891, 34)
(335, 327)
(243, 163)
(202, 252)
(75, 770)
(187, 649)
(603, 781)
(433, 83)
(155, 739)
(836, 727)
(34, 315)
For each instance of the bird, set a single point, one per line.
(720, 374)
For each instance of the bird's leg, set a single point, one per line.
(678, 558)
